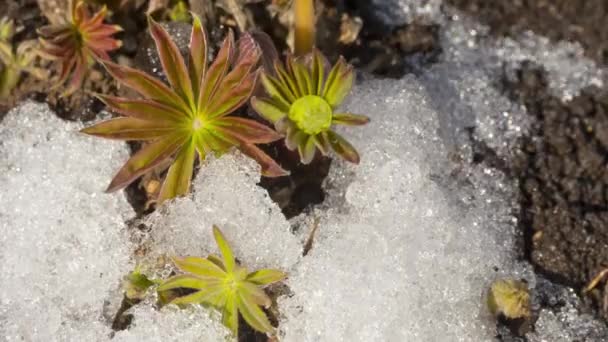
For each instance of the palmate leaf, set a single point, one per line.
(78, 42)
(189, 116)
(302, 103)
(225, 285)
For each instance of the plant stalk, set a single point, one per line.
(304, 14)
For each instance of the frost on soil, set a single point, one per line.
(64, 250)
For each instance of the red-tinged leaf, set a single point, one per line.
(52, 30)
(55, 51)
(307, 150)
(103, 31)
(216, 72)
(339, 83)
(265, 277)
(267, 48)
(96, 20)
(322, 143)
(349, 119)
(80, 70)
(177, 181)
(269, 109)
(270, 168)
(200, 267)
(172, 61)
(143, 109)
(252, 313)
(246, 130)
(181, 281)
(342, 147)
(147, 86)
(228, 99)
(104, 44)
(66, 67)
(217, 141)
(197, 64)
(145, 159)
(249, 51)
(129, 129)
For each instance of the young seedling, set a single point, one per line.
(15, 62)
(510, 298)
(191, 115)
(78, 42)
(303, 104)
(223, 284)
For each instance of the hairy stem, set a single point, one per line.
(304, 13)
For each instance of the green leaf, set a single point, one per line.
(303, 78)
(318, 72)
(229, 98)
(198, 54)
(265, 276)
(349, 119)
(172, 61)
(182, 281)
(252, 313)
(275, 90)
(295, 138)
(322, 143)
(177, 181)
(230, 315)
(257, 295)
(212, 295)
(199, 266)
(227, 255)
(339, 83)
(287, 83)
(269, 109)
(145, 159)
(129, 129)
(343, 147)
(307, 150)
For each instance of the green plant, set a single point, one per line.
(510, 298)
(223, 284)
(14, 62)
(191, 115)
(78, 42)
(302, 104)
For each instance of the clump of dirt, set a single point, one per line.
(563, 179)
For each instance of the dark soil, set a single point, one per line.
(562, 171)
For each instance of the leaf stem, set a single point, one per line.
(304, 13)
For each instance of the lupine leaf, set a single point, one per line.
(182, 281)
(198, 54)
(228, 99)
(349, 119)
(129, 129)
(343, 147)
(143, 109)
(246, 130)
(209, 295)
(230, 313)
(295, 138)
(339, 83)
(269, 109)
(288, 85)
(270, 168)
(145, 159)
(177, 181)
(318, 72)
(146, 85)
(307, 150)
(322, 142)
(265, 276)
(199, 266)
(172, 61)
(216, 72)
(257, 295)
(227, 255)
(274, 89)
(252, 314)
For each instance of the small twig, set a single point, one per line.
(311, 237)
(596, 280)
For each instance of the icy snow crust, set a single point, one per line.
(64, 248)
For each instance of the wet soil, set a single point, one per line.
(562, 170)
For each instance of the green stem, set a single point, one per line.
(9, 77)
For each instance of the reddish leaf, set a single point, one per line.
(143, 109)
(270, 168)
(146, 85)
(246, 130)
(216, 72)
(145, 159)
(343, 147)
(228, 99)
(198, 54)
(172, 61)
(129, 129)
